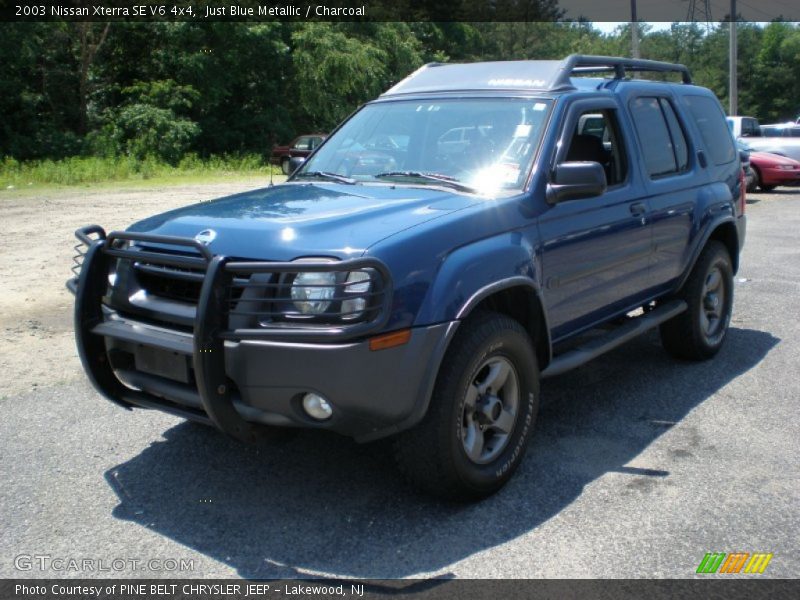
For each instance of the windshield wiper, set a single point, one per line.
(439, 178)
(328, 175)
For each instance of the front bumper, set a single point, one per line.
(780, 177)
(237, 382)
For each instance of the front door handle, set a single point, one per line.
(638, 209)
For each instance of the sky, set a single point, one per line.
(665, 11)
(610, 26)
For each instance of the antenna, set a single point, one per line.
(269, 160)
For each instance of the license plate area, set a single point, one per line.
(163, 363)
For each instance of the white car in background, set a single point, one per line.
(782, 139)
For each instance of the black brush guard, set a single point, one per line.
(95, 252)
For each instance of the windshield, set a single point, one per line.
(476, 145)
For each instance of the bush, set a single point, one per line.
(78, 170)
(142, 130)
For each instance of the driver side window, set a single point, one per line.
(302, 143)
(597, 138)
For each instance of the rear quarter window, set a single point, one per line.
(710, 120)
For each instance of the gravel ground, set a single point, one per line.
(639, 465)
(35, 257)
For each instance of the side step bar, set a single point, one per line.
(594, 348)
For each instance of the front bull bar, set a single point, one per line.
(210, 327)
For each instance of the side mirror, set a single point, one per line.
(576, 180)
(295, 163)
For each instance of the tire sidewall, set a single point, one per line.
(756, 181)
(720, 260)
(516, 348)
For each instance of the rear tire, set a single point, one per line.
(767, 188)
(698, 332)
(756, 181)
(481, 414)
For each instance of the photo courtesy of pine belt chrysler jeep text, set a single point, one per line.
(475, 229)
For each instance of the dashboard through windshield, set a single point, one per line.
(481, 145)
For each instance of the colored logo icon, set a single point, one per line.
(735, 562)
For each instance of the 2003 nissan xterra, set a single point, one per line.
(449, 245)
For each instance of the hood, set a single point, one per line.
(291, 220)
(769, 157)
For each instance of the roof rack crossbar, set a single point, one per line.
(580, 63)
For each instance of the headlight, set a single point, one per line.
(357, 283)
(312, 292)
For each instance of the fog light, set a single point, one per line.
(317, 407)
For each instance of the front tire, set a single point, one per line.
(698, 332)
(481, 414)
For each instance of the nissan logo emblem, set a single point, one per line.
(206, 236)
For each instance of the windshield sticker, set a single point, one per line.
(522, 131)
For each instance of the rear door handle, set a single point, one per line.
(638, 209)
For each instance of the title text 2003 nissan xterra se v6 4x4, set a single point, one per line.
(449, 245)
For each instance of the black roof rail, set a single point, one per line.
(582, 63)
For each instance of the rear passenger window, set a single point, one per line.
(663, 144)
(711, 122)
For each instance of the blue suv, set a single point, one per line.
(475, 229)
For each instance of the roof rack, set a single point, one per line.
(544, 75)
(580, 63)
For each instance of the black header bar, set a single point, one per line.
(381, 10)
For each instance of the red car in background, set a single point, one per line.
(300, 146)
(772, 170)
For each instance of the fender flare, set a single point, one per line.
(716, 223)
(425, 392)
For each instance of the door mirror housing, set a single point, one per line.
(576, 180)
(295, 163)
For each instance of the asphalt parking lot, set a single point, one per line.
(639, 466)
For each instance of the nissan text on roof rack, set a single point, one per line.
(472, 231)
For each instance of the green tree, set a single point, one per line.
(334, 72)
(38, 91)
(776, 73)
(237, 87)
(149, 123)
